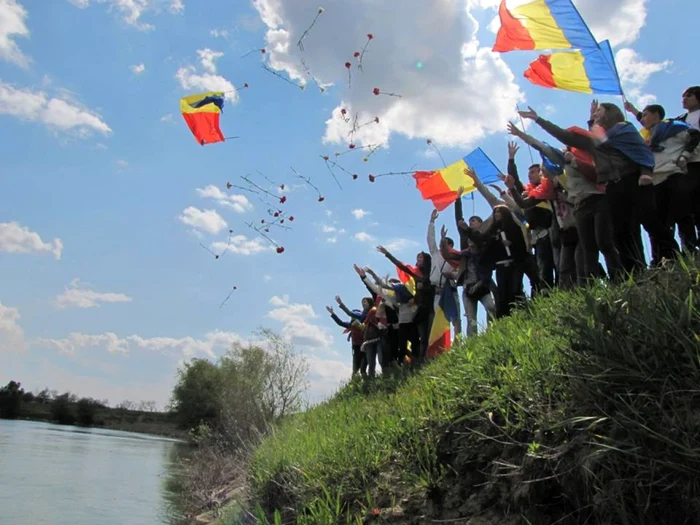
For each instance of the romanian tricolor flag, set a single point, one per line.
(584, 71)
(408, 281)
(541, 24)
(201, 112)
(439, 340)
(441, 186)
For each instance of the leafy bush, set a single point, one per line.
(11, 400)
(580, 408)
(63, 409)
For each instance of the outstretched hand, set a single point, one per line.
(443, 232)
(338, 300)
(382, 250)
(530, 114)
(434, 215)
(359, 270)
(513, 148)
(329, 309)
(594, 107)
(514, 130)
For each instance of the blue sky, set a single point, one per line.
(106, 289)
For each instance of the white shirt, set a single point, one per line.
(693, 119)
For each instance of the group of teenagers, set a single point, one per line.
(590, 197)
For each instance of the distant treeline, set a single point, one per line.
(69, 409)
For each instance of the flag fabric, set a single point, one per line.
(583, 71)
(439, 340)
(407, 280)
(542, 24)
(483, 166)
(201, 113)
(441, 186)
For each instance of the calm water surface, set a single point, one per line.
(64, 475)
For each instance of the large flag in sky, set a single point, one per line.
(541, 24)
(440, 186)
(201, 113)
(584, 71)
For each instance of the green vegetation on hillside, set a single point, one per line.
(580, 408)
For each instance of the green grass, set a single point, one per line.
(581, 408)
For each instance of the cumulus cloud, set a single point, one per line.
(58, 114)
(211, 344)
(360, 213)
(137, 69)
(454, 91)
(208, 80)
(12, 24)
(219, 33)
(133, 10)
(207, 221)
(77, 296)
(635, 73)
(297, 328)
(242, 245)
(15, 238)
(238, 203)
(364, 237)
(11, 333)
(399, 245)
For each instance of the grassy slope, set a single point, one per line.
(581, 409)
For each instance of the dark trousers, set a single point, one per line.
(570, 259)
(533, 274)
(390, 348)
(359, 361)
(595, 231)
(544, 253)
(509, 279)
(674, 207)
(630, 206)
(408, 332)
(692, 183)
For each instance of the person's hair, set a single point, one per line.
(657, 109)
(693, 90)
(476, 217)
(427, 264)
(449, 241)
(613, 115)
(505, 211)
(369, 300)
(533, 167)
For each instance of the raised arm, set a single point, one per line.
(347, 310)
(338, 321)
(553, 154)
(573, 140)
(401, 266)
(432, 245)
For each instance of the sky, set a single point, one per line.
(107, 202)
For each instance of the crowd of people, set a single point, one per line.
(590, 197)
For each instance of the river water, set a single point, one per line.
(65, 475)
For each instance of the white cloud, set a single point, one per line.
(296, 326)
(332, 240)
(238, 203)
(209, 80)
(185, 346)
(635, 73)
(15, 238)
(208, 58)
(75, 296)
(122, 164)
(56, 113)
(219, 33)
(327, 229)
(12, 23)
(11, 333)
(455, 106)
(360, 213)
(167, 118)
(267, 278)
(242, 245)
(208, 221)
(137, 69)
(176, 6)
(399, 245)
(133, 10)
(364, 237)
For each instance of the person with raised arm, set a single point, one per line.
(591, 211)
(424, 295)
(624, 163)
(355, 333)
(443, 271)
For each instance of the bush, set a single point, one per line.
(580, 408)
(86, 409)
(11, 400)
(63, 410)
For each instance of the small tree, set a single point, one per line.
(62, 410)
(86, 409)
(11, 400)
(195, 398)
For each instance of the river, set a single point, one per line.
(65, 475)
